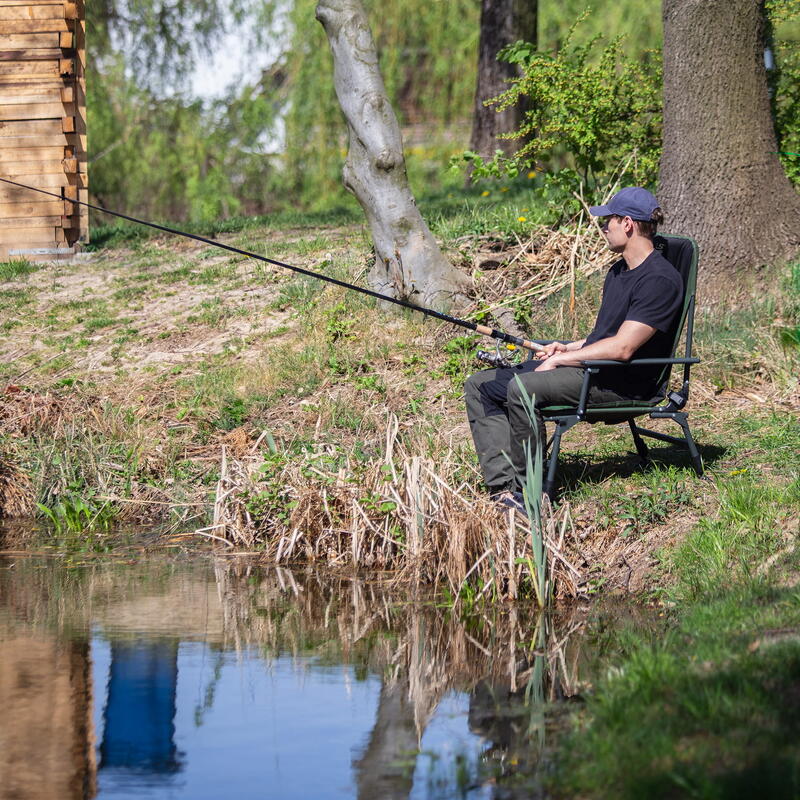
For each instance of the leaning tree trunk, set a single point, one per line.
(503, 22)
(720, 177)
(408, 262)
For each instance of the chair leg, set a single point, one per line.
(552, 463)
(641, 447)
(697, 459)
(682, 419)
(562, 426)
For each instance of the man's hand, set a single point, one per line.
(549, 349)
(550, 362)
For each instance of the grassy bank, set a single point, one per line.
(164, 382)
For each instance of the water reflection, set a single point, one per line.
(231, 679)
(139, 717)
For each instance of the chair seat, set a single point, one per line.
(618, 407)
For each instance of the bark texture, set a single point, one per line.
(408, 262)
(503, 22)
(720, 177)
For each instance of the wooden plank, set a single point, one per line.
(10, 169)
(27, 93)
(33, 222)
(48, 208)
(26, 237)
(49, 68)
(27, 3)
(31, 54)
(14, 144)
(36, 111)
(15, 194)
(10, 158)
(44, 127)
(34, 25)
(33, 41)
(66, 66)
(66, 39)
(68, 124)
(33, 82)
(28, 11)
(71, 11)
(50, 181)
(39, 253)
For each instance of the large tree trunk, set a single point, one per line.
(408, 262)
(503, 22)
(720, 177)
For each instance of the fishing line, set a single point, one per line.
(484, 330)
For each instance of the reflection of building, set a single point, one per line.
(139, 730)
(46, 736)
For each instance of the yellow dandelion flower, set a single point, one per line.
(522, 219)
(532, 173)
(485, 193)
(524, 210)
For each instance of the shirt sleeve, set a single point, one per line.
(655, 302)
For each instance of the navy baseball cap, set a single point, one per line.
(632, 201)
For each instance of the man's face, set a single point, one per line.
(615, 230)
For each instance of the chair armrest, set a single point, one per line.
(638, 362)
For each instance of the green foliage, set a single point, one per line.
(460, 360)
(532, 496)
(428, 77)
(178, 159)
(591, 112)
(16, 268)
(785, 83)
(73, 513)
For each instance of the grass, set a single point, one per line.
(290, 417)
(16, 268)
(214, 352)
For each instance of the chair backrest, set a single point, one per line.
(683, 253)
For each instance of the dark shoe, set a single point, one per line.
(511, 501)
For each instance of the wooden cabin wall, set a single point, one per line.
(42, 128)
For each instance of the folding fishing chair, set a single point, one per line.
(682, 253)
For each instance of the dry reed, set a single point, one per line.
(405, 514)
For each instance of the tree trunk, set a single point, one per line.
(408, 262)
(386, 769)
(503, 22)
(720, 177)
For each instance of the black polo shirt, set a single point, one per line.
(651, 293)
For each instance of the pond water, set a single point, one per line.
(204, 679)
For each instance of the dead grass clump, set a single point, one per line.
(23, 411)
(401, 512)
(544, 264)
(16, 493)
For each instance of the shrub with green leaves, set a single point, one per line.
(784, 16)
(590, 111)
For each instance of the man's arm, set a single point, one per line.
(620, 347)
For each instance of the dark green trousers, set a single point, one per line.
(500, 423)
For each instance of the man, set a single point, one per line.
(642, 299)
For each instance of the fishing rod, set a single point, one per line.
(484, 330)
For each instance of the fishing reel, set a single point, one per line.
(498, 359)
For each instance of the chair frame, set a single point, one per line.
(672, 409)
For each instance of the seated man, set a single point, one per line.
(642, 299)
